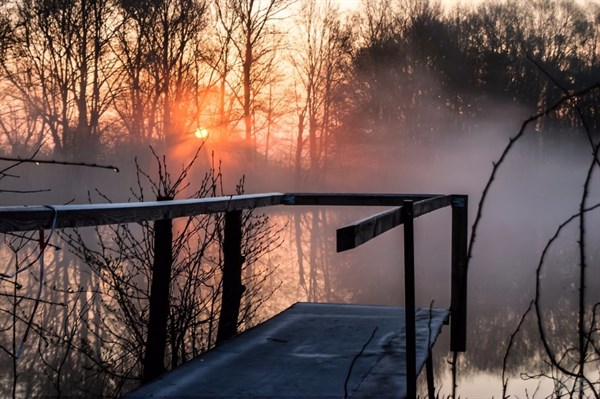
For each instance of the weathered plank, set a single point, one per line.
(364, 230)
(308, 351)
(25, 218)
(361, 231)
(425, 206)
(352, 199)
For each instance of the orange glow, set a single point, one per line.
(201, 133)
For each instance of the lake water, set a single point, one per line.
(533, 194)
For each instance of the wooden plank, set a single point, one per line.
(364, 230)
(352, 199)
(308, 351)
(25, 218)
(423, 207)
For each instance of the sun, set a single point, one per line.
(201, 133)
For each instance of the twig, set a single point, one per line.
(511, 142)
(45, 190)
(509, 347)
(542, 333)
(588, 130)
(54, 162)
(346, 396)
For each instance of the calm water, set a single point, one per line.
(531, 197)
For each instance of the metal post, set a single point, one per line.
(458, 325)
(409, 299)
(154, 358)
(232, 276)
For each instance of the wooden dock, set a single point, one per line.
(308, 351)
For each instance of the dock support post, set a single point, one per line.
(409, 298)
(429, 371)
(458, 305)
(232, 276)
(154, 357)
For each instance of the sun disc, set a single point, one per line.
(201, 133)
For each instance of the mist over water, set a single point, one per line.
(410, 99)
(538, 187)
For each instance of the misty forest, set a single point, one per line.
(142, 100)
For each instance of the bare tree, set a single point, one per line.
(248, 26)
(320, 63)
(58, 65)
(122, 259)
(160, 53)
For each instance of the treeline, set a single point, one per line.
(422, 62)
(281, 79)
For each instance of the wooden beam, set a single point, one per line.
(158, 304)
(408, 216)
(352, 199)
(25, 218)
(232, 277)
(364, 230)
(458, 306)
(425, 206)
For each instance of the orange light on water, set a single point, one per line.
(201, 133)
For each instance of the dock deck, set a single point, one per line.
(308, 350)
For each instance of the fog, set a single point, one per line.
(536, 189)
(405, 97)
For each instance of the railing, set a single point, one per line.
(406, 209)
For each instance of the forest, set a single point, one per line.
(200, 98)
(280, 81)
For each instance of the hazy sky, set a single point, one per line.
(350, 4)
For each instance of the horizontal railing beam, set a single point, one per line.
(364, 230)
(26, 218)
(352, 199)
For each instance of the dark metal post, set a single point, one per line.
(154, 364)
(232, 276)
(458, 326)
(409, 299)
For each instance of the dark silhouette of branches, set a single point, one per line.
(38, 161)
(584, 336)
(496, 165)
(121, 259)
(511, 342)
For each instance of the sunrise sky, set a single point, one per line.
(352, 4)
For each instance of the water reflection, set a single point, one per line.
(76, 348)
(499, 294)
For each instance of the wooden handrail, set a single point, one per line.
(25, 218)
(364, 230)
(353, 199)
